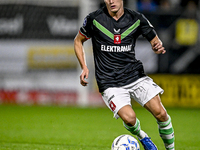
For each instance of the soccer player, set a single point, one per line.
(120, 76)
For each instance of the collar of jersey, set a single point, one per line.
(111, 35)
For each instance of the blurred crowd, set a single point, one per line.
(154, 5)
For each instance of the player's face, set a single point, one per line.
(114, 6)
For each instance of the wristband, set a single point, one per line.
(149, 36)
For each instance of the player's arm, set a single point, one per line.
(80, 54)
(157, 45)
(151, 35)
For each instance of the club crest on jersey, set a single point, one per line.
(117, 36)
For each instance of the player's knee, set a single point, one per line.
(161, 116)
(129, 119)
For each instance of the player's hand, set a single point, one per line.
(84, 76)
(157, 45)
(158, 48)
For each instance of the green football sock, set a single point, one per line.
(136, 130)
(167, 133)
(133, 129)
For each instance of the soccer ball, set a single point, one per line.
(125, 142)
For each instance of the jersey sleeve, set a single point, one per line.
(147, 28)
(86, 29)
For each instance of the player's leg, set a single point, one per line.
(119, 102)
(146, 93)
(164, 121)
(132, 124)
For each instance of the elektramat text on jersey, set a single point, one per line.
(108, 48)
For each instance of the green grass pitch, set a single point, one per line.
(73, 128)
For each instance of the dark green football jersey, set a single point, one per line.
(113, 46)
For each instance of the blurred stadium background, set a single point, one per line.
(38, 65)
